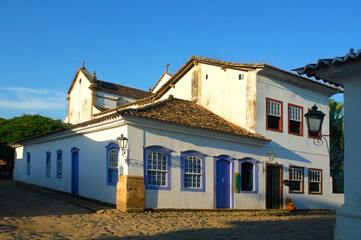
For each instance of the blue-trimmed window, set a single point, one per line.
(248, 177)
(59, 163)
(192, 171)
(48, 164)
(28, 163)
(157, 168)
(112, 163)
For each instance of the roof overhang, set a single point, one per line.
(337, 70)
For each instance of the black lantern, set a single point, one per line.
(271, 155)
(314, 119)
(122, 142)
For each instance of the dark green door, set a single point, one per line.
(273, 188)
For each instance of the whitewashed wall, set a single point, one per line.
(161, 82)
(219, 91)
(80, 103)
(92, 163)
(297, 150)
(178, 142)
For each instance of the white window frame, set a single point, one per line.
(273, 108)
(192, 173)
(113, 159)
(156, 169)
(295, 114)
(315, 176)
(296, 175)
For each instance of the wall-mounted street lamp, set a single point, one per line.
(271, 157)
(123, 144)
(314, 120)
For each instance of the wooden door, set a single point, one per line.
(274, 194)
(223, 186)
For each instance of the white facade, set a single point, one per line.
(237, 94)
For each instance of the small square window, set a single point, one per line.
(240, 76)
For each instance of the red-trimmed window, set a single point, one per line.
(313, 135)
(274, 115)
(296, 179)
(295, 120)
(314, 181)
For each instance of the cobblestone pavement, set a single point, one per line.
(30, 212)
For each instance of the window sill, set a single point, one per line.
(248, 192)
(293, 192)
(296, 134)
(315, 193)
(274, 130)
(193, 190)
(157, 188)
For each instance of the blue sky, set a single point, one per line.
(43, 43)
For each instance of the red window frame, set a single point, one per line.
(301, 124)
(281, 118)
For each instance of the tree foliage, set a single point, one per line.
(336, 143)
(18, 128)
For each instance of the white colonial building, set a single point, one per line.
(200, 139)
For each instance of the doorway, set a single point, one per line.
(75, 171)
(274, 195)
(223, 186)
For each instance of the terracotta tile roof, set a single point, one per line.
(172, 110)
(120, 89)
(187, 113)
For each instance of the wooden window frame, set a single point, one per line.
(281, 117)
(302, 182)
(321, 182)
(289, 121)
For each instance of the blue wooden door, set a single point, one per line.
(222, 184)
(75, 172)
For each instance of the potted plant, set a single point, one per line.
(290, 205)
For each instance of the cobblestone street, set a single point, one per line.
(30, 212)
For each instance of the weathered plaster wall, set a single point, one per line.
(80, 102)
(220, 91)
